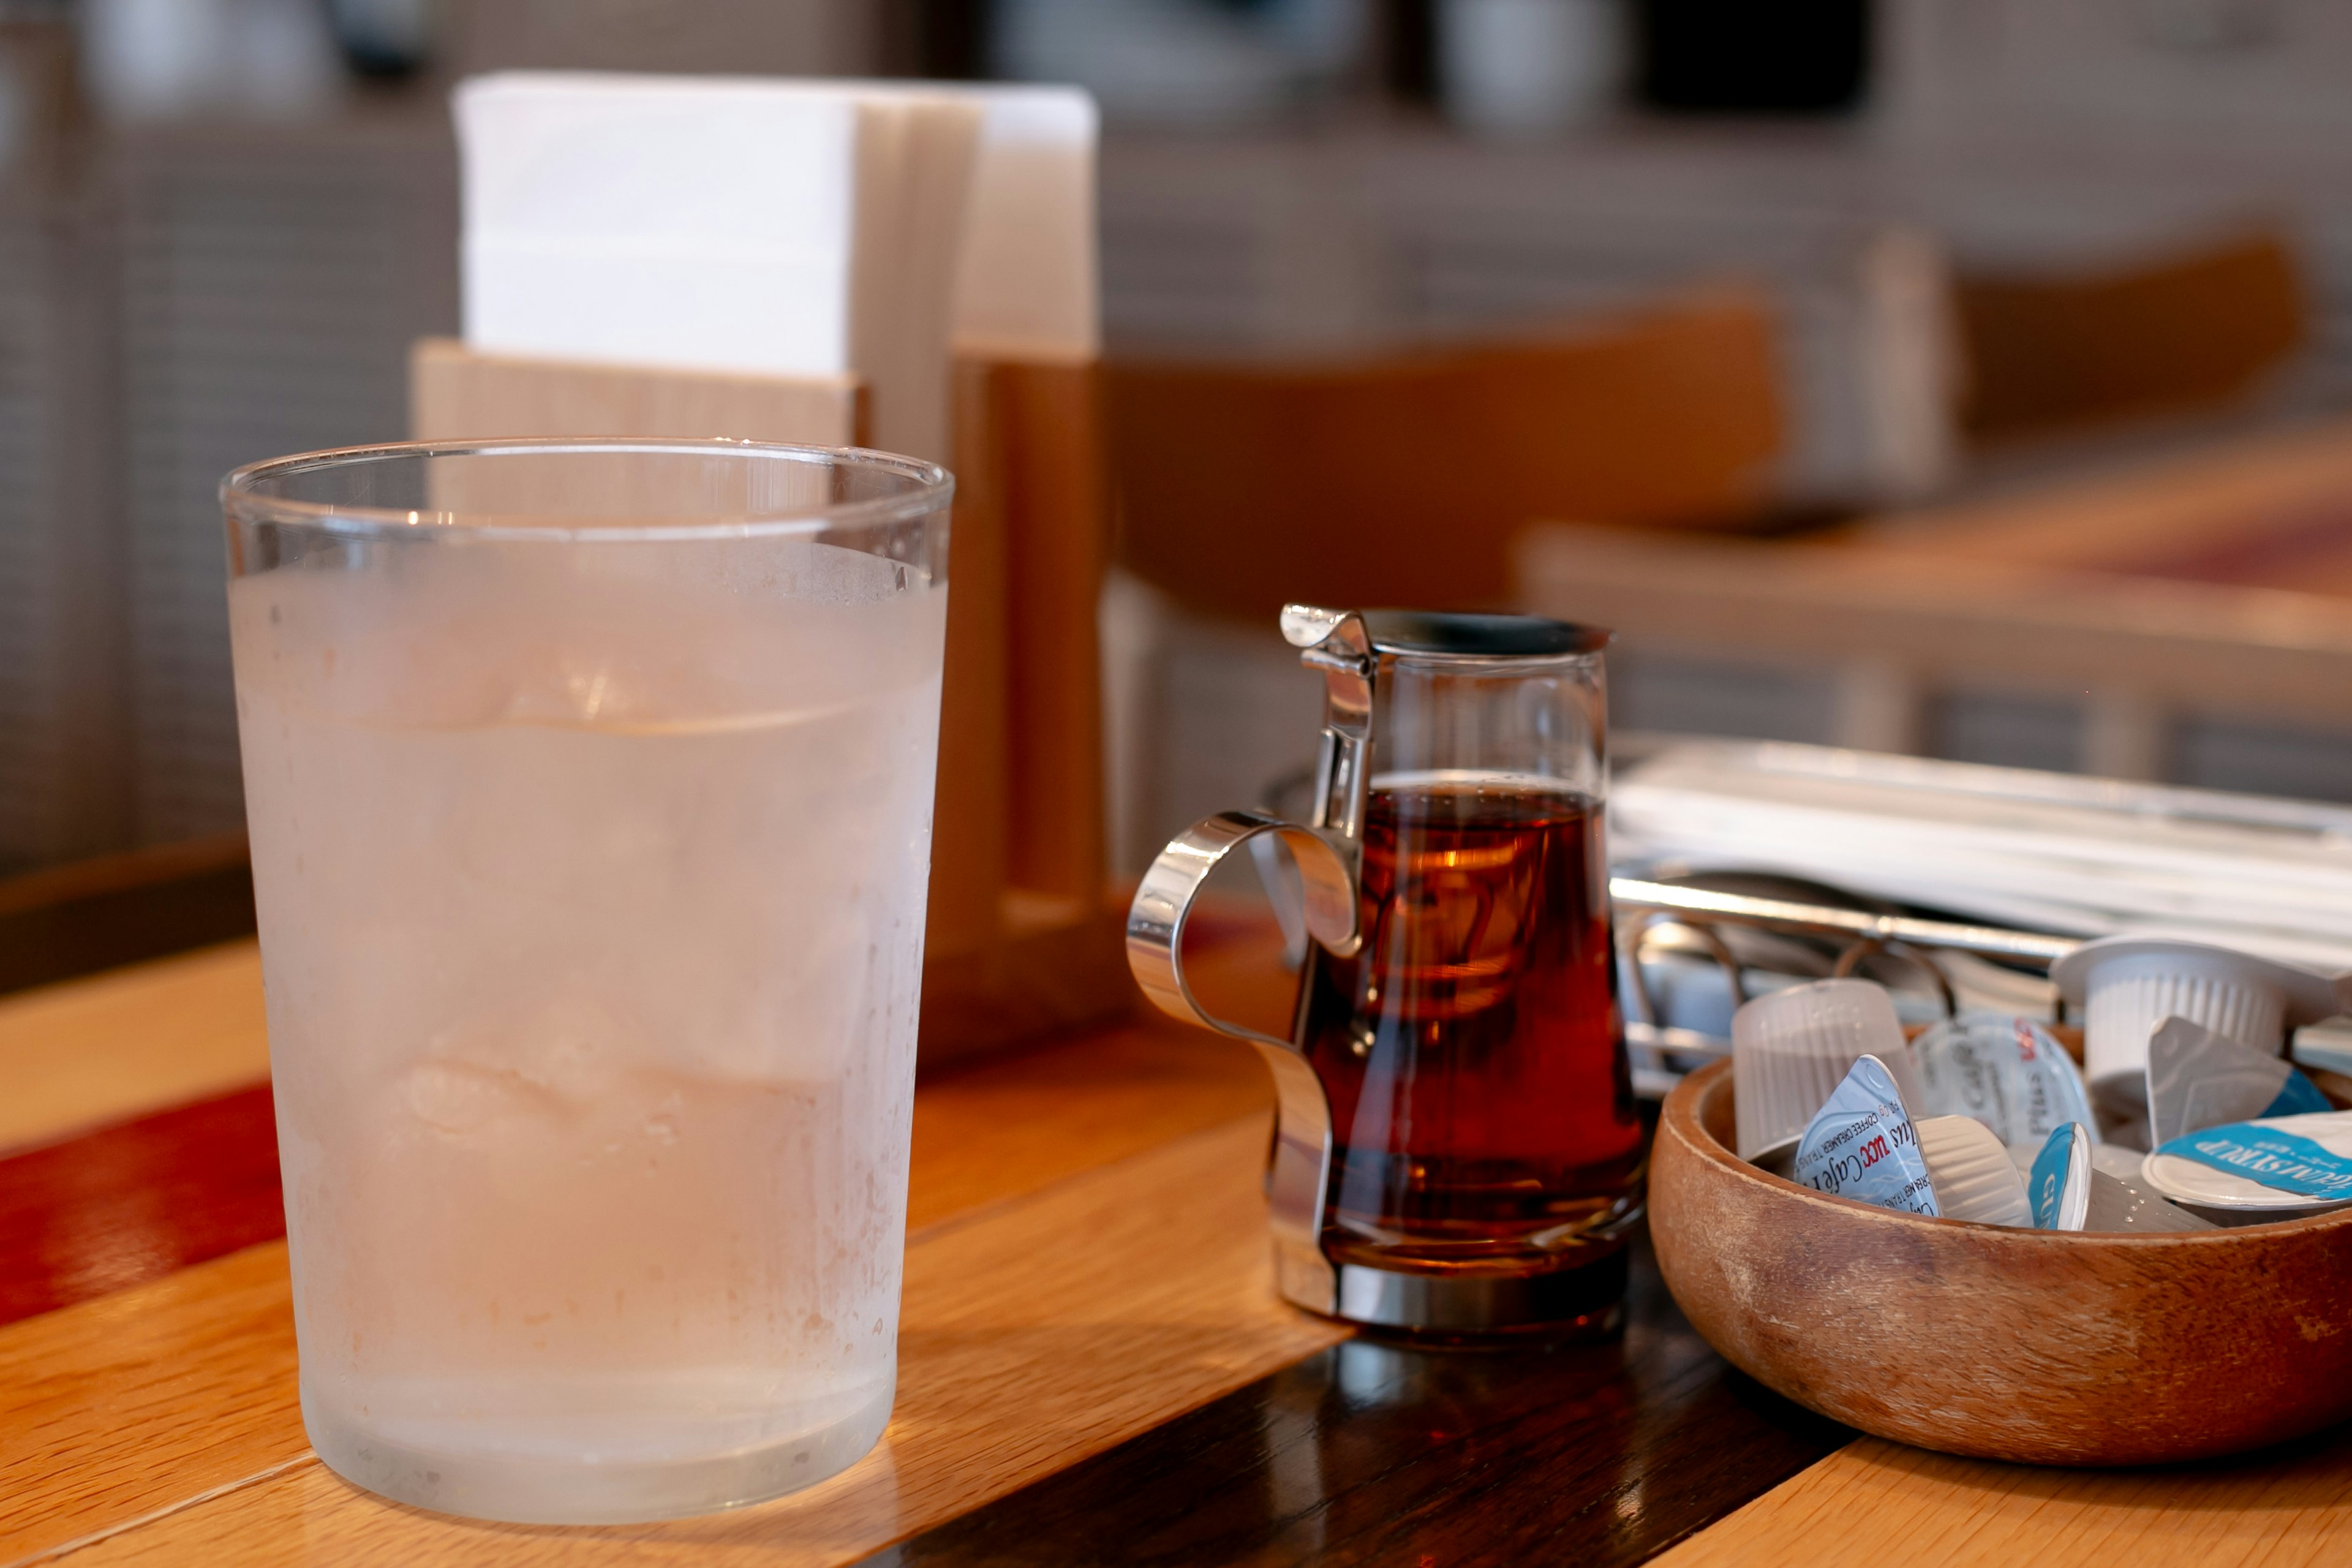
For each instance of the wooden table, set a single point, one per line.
(2271, 510)
(2178, 619)
(1094, 1366)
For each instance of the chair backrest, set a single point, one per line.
(2190, 331)
(1400, 478)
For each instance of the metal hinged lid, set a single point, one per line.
(1471, 636)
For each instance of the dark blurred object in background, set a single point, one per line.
(119, 909)
(1749, 57)
(1188, 62)
(383, 40)
(947, 39)
(1409, 50)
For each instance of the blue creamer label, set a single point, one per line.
(2298, 1095)
(2046, 1184)
(1861, 1144)
(2058, 1182)
(2270, 1155)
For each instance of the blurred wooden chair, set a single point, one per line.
(2191, 331)
(1400, 478)
(1394, 478)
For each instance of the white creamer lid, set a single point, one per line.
(2308, 996)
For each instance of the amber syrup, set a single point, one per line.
(1472, 1049)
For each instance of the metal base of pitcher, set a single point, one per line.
(1587, 1300)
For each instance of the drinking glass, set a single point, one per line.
(590, 791)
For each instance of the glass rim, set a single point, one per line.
(931, 489)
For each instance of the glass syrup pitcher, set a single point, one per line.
(1457, 1154)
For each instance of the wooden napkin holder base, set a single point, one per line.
(1023, 937)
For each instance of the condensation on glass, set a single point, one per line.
(589, 792)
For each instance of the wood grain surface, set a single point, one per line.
(971, 806)
(88, 1052)
(1006, 1129)
(1046, 421)
(1880, 1503)
(1094, 1369)
(147, 1397)
(1596, 1455)
(129, 1202)
(137, 1402)
(2049, 1347)
(1036, 1332)
(135, 1201)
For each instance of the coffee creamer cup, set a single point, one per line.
(1791, 1047)
(2196, 1079)
(2130, 1206)
(1861, 1144)
(2010, 1073)
(2275, 1167)
(2059, 1184)
(2071, 1192)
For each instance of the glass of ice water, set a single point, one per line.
(590, 787)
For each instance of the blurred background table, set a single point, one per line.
(2180, 619)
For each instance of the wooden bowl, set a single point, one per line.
(2044, 1347)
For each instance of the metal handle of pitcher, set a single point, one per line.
(1301, 1167)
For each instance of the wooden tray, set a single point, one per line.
(2040, 1347)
